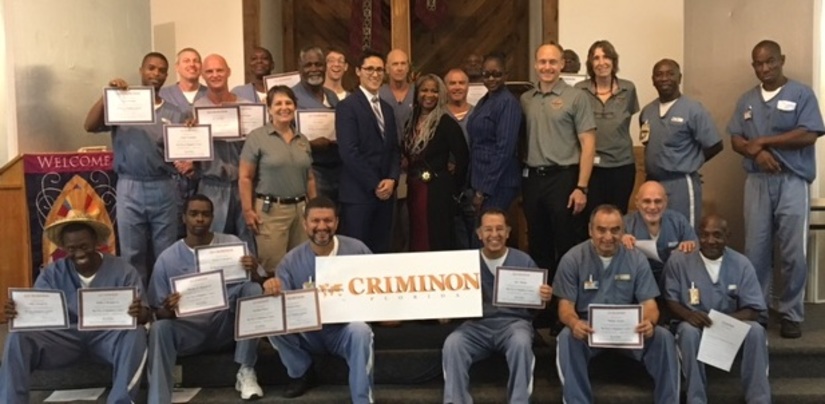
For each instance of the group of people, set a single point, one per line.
(283, 194)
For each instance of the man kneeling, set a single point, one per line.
(505, 330)
(171, 336)
(84, 267)
(352, 341)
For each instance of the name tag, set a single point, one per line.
(672, 244)
(597, 160)
(622, 277)
(748, 115)
(731, 287)
(785, 105)
(525, 172)
(677, 119)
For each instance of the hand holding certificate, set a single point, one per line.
(133, 105)
(191, 143)
(225, 258)
(38, 310)
(519, 287)
(302, 310)
(105, 309)
(615, 326)
(316, 124)
(200, 293)
(225, 121)
(285, 313)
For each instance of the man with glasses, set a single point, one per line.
(679, 137)
(368, 144)
(775, 126)
(561, 145)
(337, 67)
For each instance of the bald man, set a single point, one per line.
(219, 177)
(653, 221)
(679, 137)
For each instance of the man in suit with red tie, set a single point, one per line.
(368, 144)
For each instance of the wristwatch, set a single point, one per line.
(581, 188)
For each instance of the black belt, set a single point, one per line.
(278, 199)
(547, 170)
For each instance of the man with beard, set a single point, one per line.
(352, 341)
(501, 329)
(602, 271)
(679, 137)
(219, 177)
(147, 204)
(311, 94)
(171, 336)
(337, 67)
(717, 278)
(775, 127)
(261, 64)
(84, 267)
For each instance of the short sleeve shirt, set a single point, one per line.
(614, 147)
(282, 169)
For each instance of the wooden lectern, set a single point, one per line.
(15, 267)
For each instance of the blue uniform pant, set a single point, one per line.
(228, 213)
(477, 339)
(778, 205)
(754, 365)
(147, 212)
(352, 341)
(124, 350)
(684, 195)
(658, 355)
(169, 339)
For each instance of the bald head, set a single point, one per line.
(714, 220)
(651, 189)
(713, 236)
(398, 65)
(667, 62)
(651, 201)
(216, 72)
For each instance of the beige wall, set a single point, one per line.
(8, 122)
(719, 37)
(210, 26)
(642, 34)
(59, 56)
(271, 31)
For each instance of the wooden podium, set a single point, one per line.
(39, 189)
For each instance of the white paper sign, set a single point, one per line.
(571, 79)
(406, 286)
(474, 92)
(289, 79)
(316, 124)
(649, 249)
(721, 341)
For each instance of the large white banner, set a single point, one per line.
(407, 286)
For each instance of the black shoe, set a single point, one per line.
(297, 387)
(790, 329)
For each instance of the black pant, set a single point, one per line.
(611, 185)
(552, 229)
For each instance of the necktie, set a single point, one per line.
(376, 108)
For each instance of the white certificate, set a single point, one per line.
(135, 106)
(474, 92)
(289, 79)
(38, 310)
(181, 142)
(225, 121)
(259, 316)
(253, 116)
(200, 293)
(572, 78)
(649, 249)
(105, 309)
(317, 123)
(614, 326)
(519, 287)
(721, 341)
(302, 310)
(225, 258)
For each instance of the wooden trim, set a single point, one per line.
(251, 32)
(400, 35)
(290, 54)
(550, 21)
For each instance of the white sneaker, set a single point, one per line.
(246, 382)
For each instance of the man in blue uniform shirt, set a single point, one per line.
(717, 278)
(352, 341)
(260, 64)
(679, 137)
(84, 267)
(501, 329)
(147, 203)
(775, 126)
(171, 336)
(602, 271)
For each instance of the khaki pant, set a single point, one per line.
(280, 231)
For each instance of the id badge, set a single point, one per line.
(591, 284)
(309, 284)
(644, 132)
(694, 294)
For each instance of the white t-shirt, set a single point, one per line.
(713, 267)
(492, 264)
(664, 107)
(767, 95)
(605, 261)
(190, 95)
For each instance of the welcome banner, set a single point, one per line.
(405, 286)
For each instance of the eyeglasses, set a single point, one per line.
(373, 70)
(496, 75)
